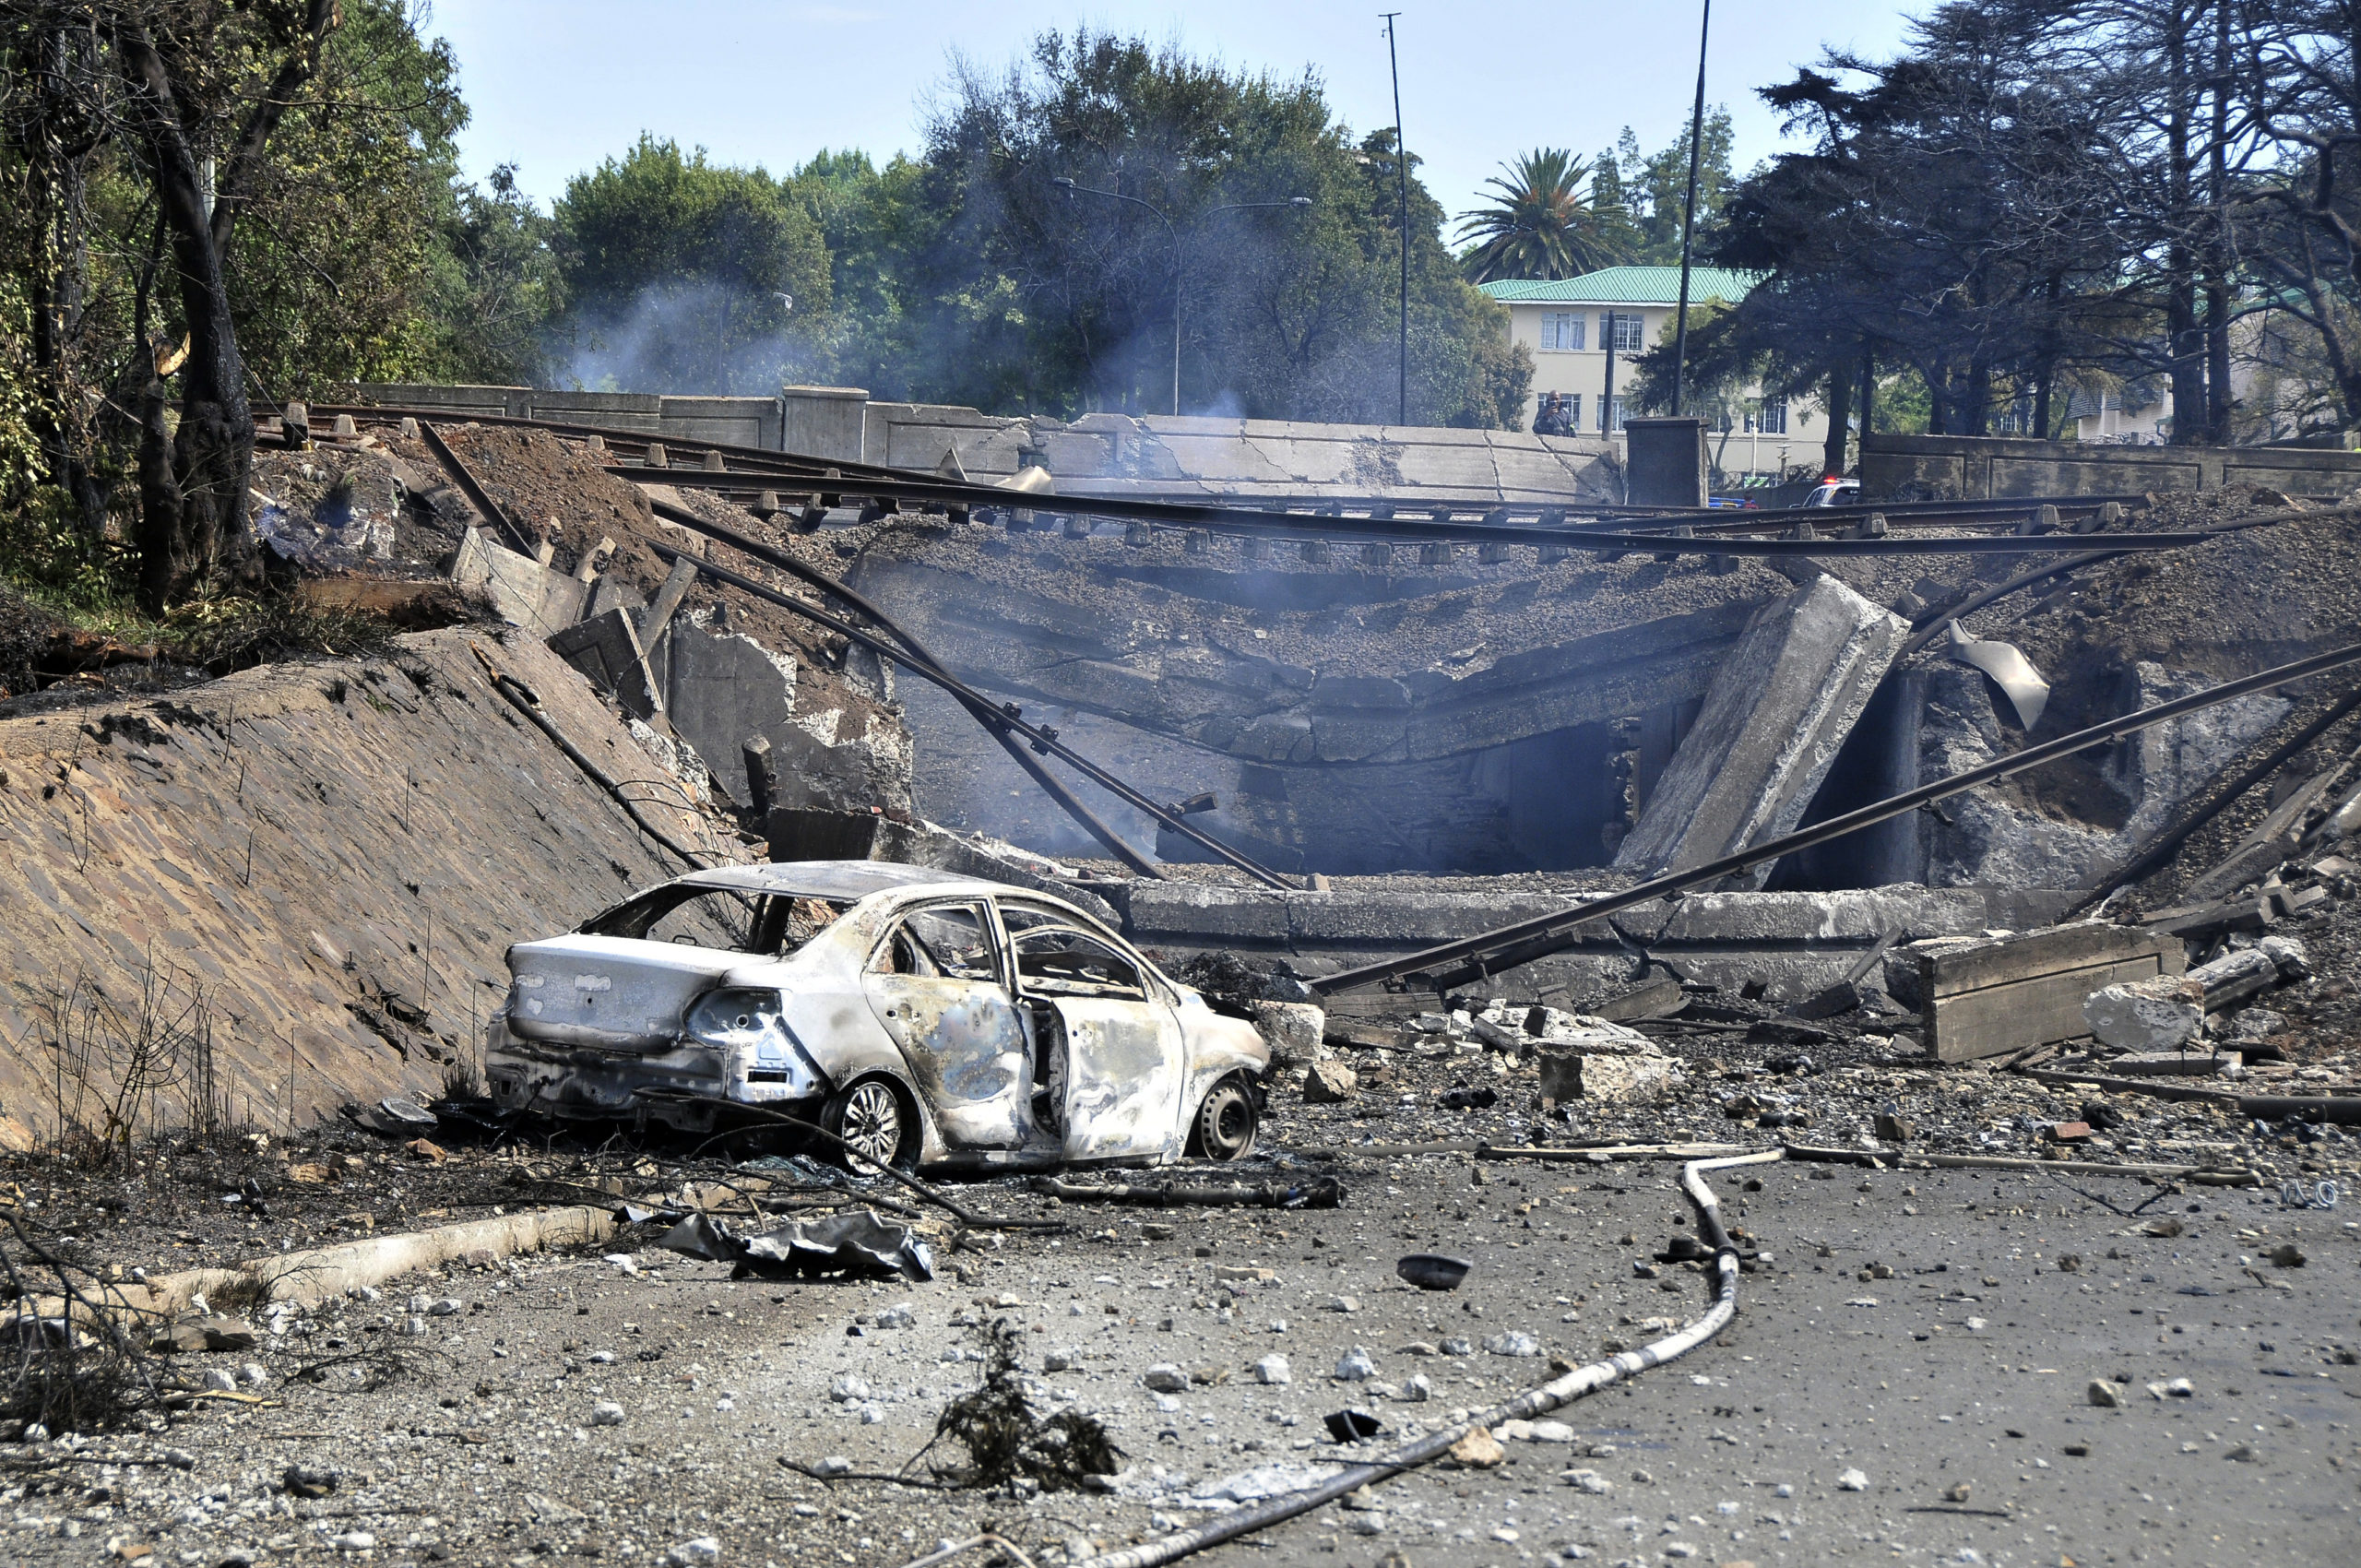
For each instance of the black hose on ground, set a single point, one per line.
(523, 698)
(1540, 1401)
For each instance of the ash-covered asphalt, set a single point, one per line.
(1920, 1328)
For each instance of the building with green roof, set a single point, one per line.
(1565, 323)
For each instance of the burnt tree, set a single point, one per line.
(192, 509)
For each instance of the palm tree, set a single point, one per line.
(1542, 225)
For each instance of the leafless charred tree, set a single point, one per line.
(2296, 67)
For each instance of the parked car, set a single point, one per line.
(1836, 493)
(922, 1019)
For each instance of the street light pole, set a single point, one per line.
(1072, 190)
(1402, 191)
(1689, 214)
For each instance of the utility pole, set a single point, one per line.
(1402, 185)
(1689, 214)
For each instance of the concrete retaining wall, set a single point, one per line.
(1987, 468)
(1796, 943)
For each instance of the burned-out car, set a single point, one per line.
(918, 1018)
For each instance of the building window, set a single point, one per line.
(1616, 415)
(1772, 420)
(1627, 325)
(1573, 402)
(1564, 332)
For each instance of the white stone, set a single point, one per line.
(1853, 1481)
(1515, 1342)
(1273, 1370)
(605, 1413)
(1589, 1480)
(1166, 1378)
(1355, 1366)
(2164, 1014)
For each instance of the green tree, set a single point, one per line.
(205, 203)
(1655, 186)
(1016, 291)
(1541, 223)
(687, 276)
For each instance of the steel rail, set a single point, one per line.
(874, 479)
(1044, 740)
(473, 488)
(1504, 947)
(993, 720)
(1435, 514)
(1253, 521)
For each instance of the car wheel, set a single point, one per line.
(1227, 1121)
(875, 1127)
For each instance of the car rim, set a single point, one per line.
(1229, 1122)
(873, 1124)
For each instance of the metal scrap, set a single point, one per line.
(2010, 670)
(859, 1243)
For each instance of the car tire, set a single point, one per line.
(874, 1120)
(1226, 1123)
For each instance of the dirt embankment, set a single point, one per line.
(316, 867)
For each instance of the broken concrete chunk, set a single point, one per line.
(1329, 1083)
(2157, 1014)
(1573, 1075)
(1292, 1031)
(1778, 710)
(606, 648)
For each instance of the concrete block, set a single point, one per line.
(1668, 464)
(1774, 720)
(1569, 1075)
(1201, 915)
(606, 648)
(525, 593)
(1292, 1029)
(1330, 1083)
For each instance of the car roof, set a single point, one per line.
(845, 880)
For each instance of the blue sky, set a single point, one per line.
(557, 85)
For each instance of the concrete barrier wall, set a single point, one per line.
(740, 422)
(1993, 467)
(1098, 454)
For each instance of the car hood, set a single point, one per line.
(612, 992)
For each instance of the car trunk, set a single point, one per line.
(609, 992)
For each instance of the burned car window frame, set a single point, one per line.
(992, 944)
(1154, 984)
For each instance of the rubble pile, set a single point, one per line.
(2075, 1048)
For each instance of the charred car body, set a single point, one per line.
(920, 1019)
